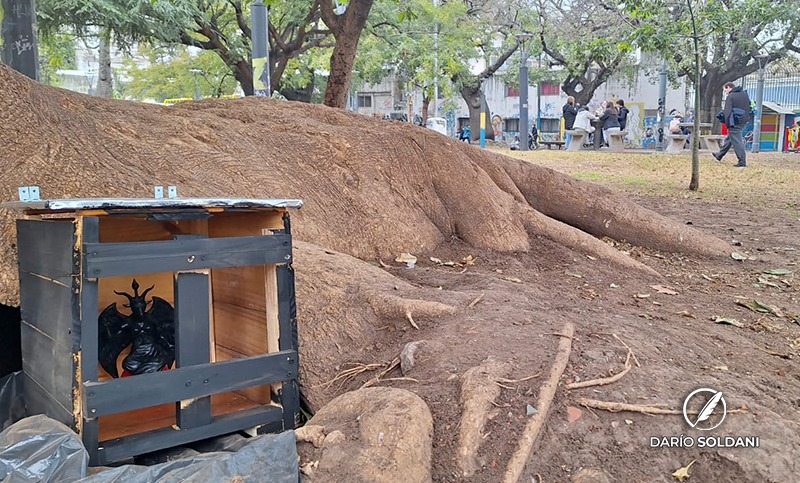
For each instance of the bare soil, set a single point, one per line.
(410, 191)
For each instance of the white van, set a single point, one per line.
(438, 124)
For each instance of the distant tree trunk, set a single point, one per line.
(426, 102)
(346, 29)
(474, 98)
(300, 94)
(105, 79)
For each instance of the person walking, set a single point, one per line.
(610, 120)
(569, 111)
(736, 115)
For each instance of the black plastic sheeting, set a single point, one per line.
(40, 449)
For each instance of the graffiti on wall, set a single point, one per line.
(497, 126)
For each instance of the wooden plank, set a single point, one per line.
(115, 426)
(45, 248)
(287, 315)
(113, 259)
(192, 341)
(259, 394)
(166, 438)
(137, 228)
(48, 363)
(239, 329)
(39, 401)
(240, 286)
(47, 305)
(152, 389)
(271, 297)
(244, 224)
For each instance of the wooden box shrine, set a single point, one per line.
(210, 279)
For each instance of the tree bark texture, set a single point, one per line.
(105, 79)
(346, 30)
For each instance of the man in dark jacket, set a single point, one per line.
(623, 114)
(736, 115)
(569, 111)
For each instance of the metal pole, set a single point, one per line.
(435, 64)
(523, 100)
(759, 100)
(662, 105)
(483, 121)
(539, 100)
(258, 32)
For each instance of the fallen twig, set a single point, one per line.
(517, 381)
(348, 374)
(630, 351)
(476, 301)
(504, 386)
(411, 320)
(616, 407)
(603, 380)
(372, 382)
(546, 395)
(377, 378)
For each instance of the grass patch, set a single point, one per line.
(771, 180)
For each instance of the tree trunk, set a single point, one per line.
(710, 100)
(426, 102)
(301, 94)
(105, 80)
(474, 98)
(347, 30)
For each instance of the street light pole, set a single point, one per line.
(523, 91)
(436, 64)
(259, 34)
(759, 101)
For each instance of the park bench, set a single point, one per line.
(712, 141)
(616, 141)
(676, 143)
(549, 144)
(579, 136)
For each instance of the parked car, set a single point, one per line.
(438, 124)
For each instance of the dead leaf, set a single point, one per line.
(728, 321)
(778, 271)
(683, 473)
(757, 306)
(628, 422)
(641, 295)
(469, 260)
(406, 258)
(512, 279)
(738, 256)
(573, 414)
(766, 282)
(720, 368)
(437, 261)
(707, 278)
(573, 274)
(664, 290)
(686, 313)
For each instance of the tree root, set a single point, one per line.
(616, 407)
(478, 391)
(607, 380)
(546, 395)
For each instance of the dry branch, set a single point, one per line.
(616, 407)
(604, 380)
(411, 320)
(546, 394)
(476, 301)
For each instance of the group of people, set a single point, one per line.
(614, 116)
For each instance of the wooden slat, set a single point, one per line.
(47, 305)
(244, 224)
(152, 389)
(240, 286)
(115, 426)
(113, 259)
(137, 228)
(166, 438)
(39, 401)
(239, 329)
(45, 248)
(259, 394)
(192, 341)
(48, 363)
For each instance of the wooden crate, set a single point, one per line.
(226, 268)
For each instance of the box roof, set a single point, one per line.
(147, 203)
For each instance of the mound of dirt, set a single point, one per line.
(370, 188)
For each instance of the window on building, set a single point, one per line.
(364, 101)
(551, 125)
(512, 125)
(549, 89)
(512, 91)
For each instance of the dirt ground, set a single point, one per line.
(674, 337)
(374, 189)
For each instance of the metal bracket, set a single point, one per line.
(28, 193)
(172, 192)
(159, 192)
